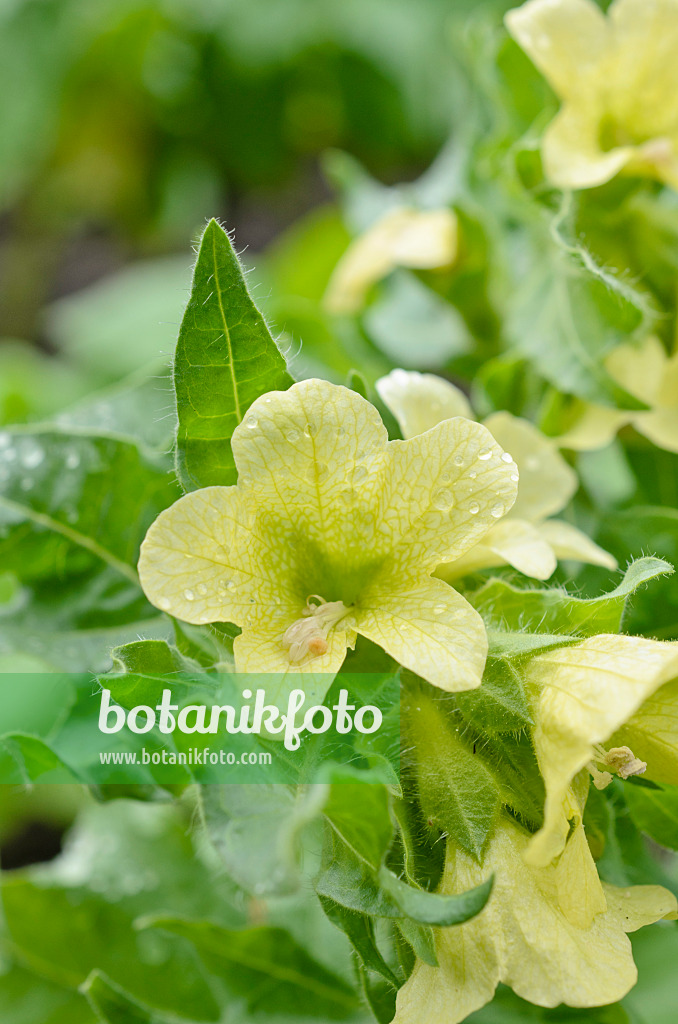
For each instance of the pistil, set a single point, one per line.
(620, 761)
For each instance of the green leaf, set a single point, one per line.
(225, 358)
(553, 610)
(257, 832)
(36, 761)
(27, 999)
(434, 908)
(654, 809)
(568, 313)
(500, 704)
(267, 967)
(359, 929)
(457, 792)
(111, 1004)
(360, 814)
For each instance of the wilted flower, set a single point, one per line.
(332, 530)
(617, 78)
(526, 538)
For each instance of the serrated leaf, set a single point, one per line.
(225, 358)
(267, 967)
(500, 704)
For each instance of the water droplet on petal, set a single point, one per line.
(474, 508)
(515, 478)
(443, 500)
(165, 604)
(506, 457)
(348, 496)
(439, 609)
(189, 595)
(292, 435)
(459, 460)
(473, 474)
(317, 471)
(202, 590)
(310, 430)
(484, 454)
(276, 599)
(498, 509)
(251, 422)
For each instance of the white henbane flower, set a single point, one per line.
(647, 373)
(617, 78)
(332, 530)
(527, 538)
(608, 705)
(525, 939)
(402, 237)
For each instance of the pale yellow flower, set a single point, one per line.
(525, 936)
(609, 705)
(402, 237)
(648, 374)
(617, 78)
(527, 538)
(332, 530)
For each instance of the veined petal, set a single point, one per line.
(511, 542)
(595, 427)
(316, 455)
(653, 731)
(667, 396)
(573, 157)
(565, 39)
(523, 939)
(402, 237)
(419, 401)
(202, 562)
(582, 695)
(546, 481)
(426, 626)
(569, 542)
(659, 426)
(639, 368)
(441, 491)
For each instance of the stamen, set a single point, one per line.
(307, 637)
(620, 760)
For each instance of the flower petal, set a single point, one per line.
(201, 562)
(419, 401)
(571, 148)
(639, 368)
(512, 542)
(523, 938)
(402, 237)
(569, 542)
(660, 427)
(583, 694)
(565, 39)
(595, 427)
(428, 627)
(259, 649)
(652, 733)
(441, 492)
(644, 81)
(546, 481)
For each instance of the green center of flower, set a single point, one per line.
(619, 761)
(307, 636)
